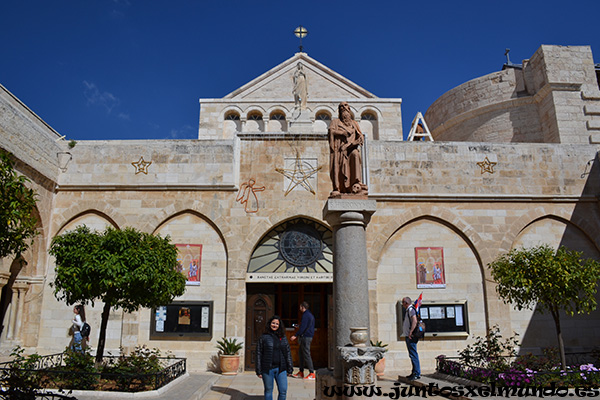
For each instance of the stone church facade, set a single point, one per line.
(514, 163)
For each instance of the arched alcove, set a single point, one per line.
(397, 277)
(538, 330)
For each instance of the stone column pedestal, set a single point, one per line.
(349, 218)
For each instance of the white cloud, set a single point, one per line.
(94, 96)
(183, 132)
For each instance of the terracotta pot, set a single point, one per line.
(229, 364)
(380, 367)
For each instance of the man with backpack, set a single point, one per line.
(409, 330)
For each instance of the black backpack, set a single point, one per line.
(85, 330)
(419, 332)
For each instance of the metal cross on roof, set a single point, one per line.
(300, 32)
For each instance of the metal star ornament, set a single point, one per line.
(141, 166)
(487, 166)
(300, 175)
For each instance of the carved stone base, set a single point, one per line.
(300, 122)
(359, 364)
(358, 375)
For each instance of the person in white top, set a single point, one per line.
(78, 320)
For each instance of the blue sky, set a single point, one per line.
(135, 69)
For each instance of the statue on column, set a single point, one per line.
(345, 139)
(300, 90)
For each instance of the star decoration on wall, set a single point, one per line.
(487, 166)
(141, 166)
(300, 175)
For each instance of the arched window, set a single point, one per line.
(232, 116)
(323, 116)
(255, 122)
(299, 245)
(322, 121)
(367, 116)
(277, 122)
(369, 125)
(231, 124)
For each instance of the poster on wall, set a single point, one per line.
(429, 262)
(189, 262)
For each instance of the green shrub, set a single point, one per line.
(140, 361)
(22, 380)
(79, 370)
(490, 352)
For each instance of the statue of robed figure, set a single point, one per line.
(345, 139)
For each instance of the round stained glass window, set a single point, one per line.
(300, 246)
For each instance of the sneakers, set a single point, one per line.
(310, 377)
(414, 378)
(298, 375)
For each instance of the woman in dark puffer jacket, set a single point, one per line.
(274, 358)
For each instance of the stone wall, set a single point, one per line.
(452, 169)
(103, 164)
(428, 194)
(553, 98)
(22, 132)
(36, 148)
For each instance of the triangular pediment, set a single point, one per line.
(323, 83)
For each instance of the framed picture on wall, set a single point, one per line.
(430, 269)
(189, 262)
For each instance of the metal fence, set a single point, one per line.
(514, 371)
(50, 372)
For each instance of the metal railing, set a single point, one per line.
(48, 372)
(514, 374)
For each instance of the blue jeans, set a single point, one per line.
(77, 341)
(414, 357)
(278, 376)
(304, 353)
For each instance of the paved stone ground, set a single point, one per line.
(211, 386)
(246, 386)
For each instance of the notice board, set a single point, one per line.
(441, 318)
(182, 320)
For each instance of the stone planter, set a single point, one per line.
(229, 364)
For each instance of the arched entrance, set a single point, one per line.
(292, 263)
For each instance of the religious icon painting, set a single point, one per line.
(189, 262)
(430, 269)
(185, 316)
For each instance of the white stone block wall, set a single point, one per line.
(545, 101)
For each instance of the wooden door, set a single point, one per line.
(289, 297)
(259, 308)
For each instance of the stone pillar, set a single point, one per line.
(349, 218)
(17, 306)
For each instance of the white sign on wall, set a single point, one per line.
(289, 277)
